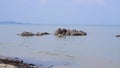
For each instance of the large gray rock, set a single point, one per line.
(66, 32)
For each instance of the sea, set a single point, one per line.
(99, 49)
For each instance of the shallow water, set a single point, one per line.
(99, 49)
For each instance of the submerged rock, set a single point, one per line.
(66, 32)
(41, 34)
(117, 35)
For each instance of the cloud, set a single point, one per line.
(100, 2)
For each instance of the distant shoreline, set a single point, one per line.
(21, 23)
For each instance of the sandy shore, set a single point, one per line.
(2, 65)
(6, 62)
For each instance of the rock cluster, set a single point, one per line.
(59, 32)
(67, 32)
(25, 33)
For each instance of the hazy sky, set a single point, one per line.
(61, 11)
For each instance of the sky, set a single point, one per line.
(61, 11)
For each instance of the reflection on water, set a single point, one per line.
(99, 49)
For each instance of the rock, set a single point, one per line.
(82, 33)
(76, 34)
(66, 32)
(45, 33)
(38, 34)
(41, 34)
(59, 31)
(26, 34)
(117, 35)
(60, 35)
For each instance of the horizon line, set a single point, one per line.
(92, 24)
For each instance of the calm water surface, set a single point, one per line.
(99, 49)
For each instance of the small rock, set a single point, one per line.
(26, 34)
(117, 35)
(41, 34)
